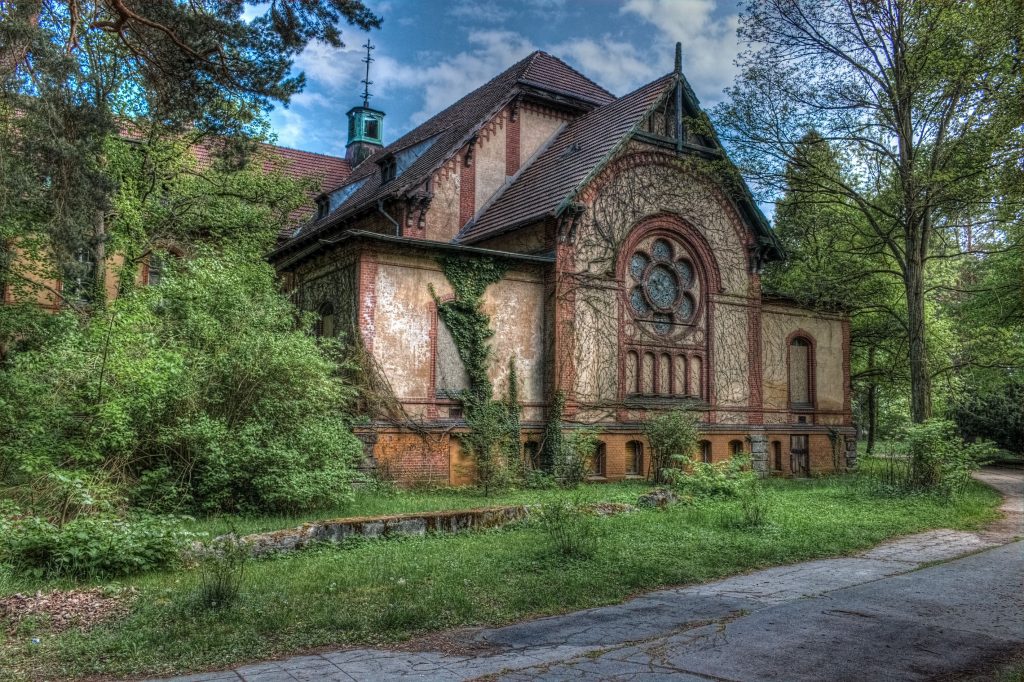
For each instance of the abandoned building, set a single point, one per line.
(630, 254)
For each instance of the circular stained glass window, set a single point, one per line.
(637, 302)
(665, 295)
(685, 271)
(686, 307)
(637, 265)
(661, 250)
(662, 287)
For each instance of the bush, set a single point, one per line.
(222, 572)
(96, 546)
(931, 458)
(571, 529)
(200, 394)
(753, 504)
(572, 462)
(673, 440)
(726, 479)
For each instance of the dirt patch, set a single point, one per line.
(61, 610)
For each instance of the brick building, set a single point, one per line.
(633, 252)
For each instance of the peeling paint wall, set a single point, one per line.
(489, 160)
(779, 323)
(442, 222)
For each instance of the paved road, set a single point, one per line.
(890, 613)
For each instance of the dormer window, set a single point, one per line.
(388, 169)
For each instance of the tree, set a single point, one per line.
(74, 72)
(923, 97)
(673, 439)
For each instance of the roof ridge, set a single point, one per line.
(576, 71)
(302, 151)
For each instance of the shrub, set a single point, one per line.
(673, 439)
(201, 393)
(95, 546)
(939, 460)
(572, 463)
(222, 572)
(753, 504)
(571, 529)
(701, 479)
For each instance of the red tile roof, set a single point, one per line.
(561, 169)
(454, 126)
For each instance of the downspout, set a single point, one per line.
(380, 209)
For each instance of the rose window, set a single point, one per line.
(664, 289)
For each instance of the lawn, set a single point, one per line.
(386, 591)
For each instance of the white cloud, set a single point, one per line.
(485, 12)
(616, 65)
(709, 43)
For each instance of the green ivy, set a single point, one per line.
(491, 423)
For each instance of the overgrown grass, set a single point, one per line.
(379, 592)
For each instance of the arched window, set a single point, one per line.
(531, 453)
(599, 460)
(800, 373)
(705, 451)
(735, 447)
(632, 373)
(154, 269)
(324, 327)
(450, 376)
(665, 374)
(634, 458)
(647, 374)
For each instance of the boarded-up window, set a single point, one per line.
(665, 374)
(324, 326)
(599, 461)
(799, 372)
(705, 451)
(634, 458)
(679, 376)
(632, 372)
(449, 372)
(696, 368)
(647, 374)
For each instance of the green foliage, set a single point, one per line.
(197, 394)
(222, 572)
(570, 527)
(673, 440)
(572, 463)
(91, 547)
(938, 460)
(493, 425)
(992, 410)
(730, 478)
(551, 448)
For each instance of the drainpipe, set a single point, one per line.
(380, 209)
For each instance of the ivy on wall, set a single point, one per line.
(493, 424)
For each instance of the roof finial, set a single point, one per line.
(679, 57)
(366, 81)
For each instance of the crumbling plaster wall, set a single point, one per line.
(778, 324)
(405, 314)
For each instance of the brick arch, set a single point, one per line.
(812, 366)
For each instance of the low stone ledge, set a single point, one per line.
(395, 525)
(412, 524)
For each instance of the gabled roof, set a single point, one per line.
(566, 164)
(453, 127)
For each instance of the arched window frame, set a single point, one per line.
(704, 447)
(634, 458)
(812, 402)
(599, 461)
(320, 328)
(735, 447)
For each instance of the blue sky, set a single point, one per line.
(431, 52)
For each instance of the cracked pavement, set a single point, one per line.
(891, 612)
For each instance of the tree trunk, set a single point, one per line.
(920, 379)
(872, 405)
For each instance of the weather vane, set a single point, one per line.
(366, 81)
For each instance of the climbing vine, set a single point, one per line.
(492, 423)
